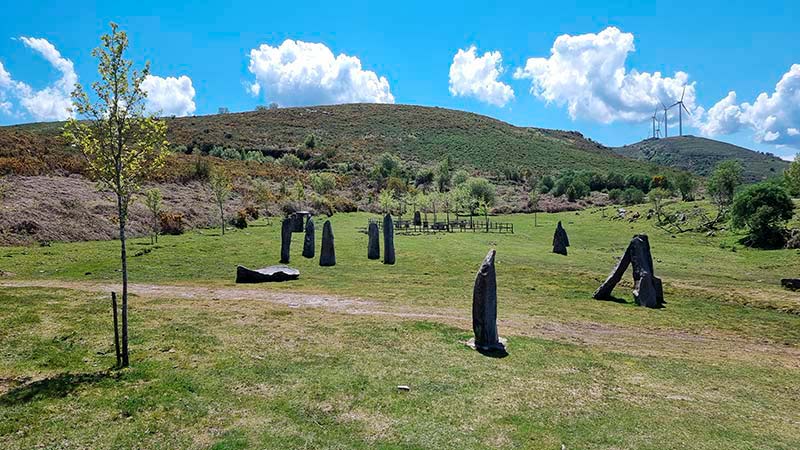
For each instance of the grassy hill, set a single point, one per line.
(360, 132)
(700, 155)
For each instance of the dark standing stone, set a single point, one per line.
(286, 239)
(267, 274)
(374, 246)
(297, 223)
(647, 290)
(417, 219)
(327, 255)
(560, 240)
(388, 240)
(484, 308)
(309, 239)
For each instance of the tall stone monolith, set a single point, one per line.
(484, 308)
(417, 218)
(327, 254)
(388, 240)
(374, 246)
(286, 239)
(309, 240)
(560, 240)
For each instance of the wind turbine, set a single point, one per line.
(655, 121)
(666, 125)
(681, 108)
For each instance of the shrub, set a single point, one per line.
(424, 177)
(763, 209)
(615, 180)
(686, 185)
(251, 212)
(291, 161)
(310, 142)
(546, 184)
(171, 223)
(576, 190)
(638, 181)
(323, 205)
(322, 183)
(202, 169)
(231, 154)
(460, 177)
(255, 155)
(396, 185)
(615, 195)
(659, 181)
(240, 219)
(632, 196)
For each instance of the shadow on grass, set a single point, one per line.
(54, 387)
(613, 299)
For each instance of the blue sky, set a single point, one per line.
(406, 54)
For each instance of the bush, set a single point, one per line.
(546, 184)
(290, 161)
(763, 209)
(240, 219)
(424, 177)
(322, 183)
(251, 212)
(310, 142)
(615, 180)
(202, 169)
(171, 223)
(632, 196)
(460, 177)
(638, 181)
(577, 190)
(615, 195)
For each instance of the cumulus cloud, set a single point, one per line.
(587, 74)
(473, 76)
(773, 118)
(52, 102)
(304, 73)
(169, 96)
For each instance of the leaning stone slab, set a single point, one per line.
(484, 310)
(374, 246)
(560, 240)
(327, 255)
(266, 275)
(388, 240)
(648, 290)
(309, 241)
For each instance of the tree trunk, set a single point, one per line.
(124, 257)
(116, 328)
(222, 217)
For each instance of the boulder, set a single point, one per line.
(560, 240)
(327, 254)
(374, 246)
(648, 290)
(388, 239)
(309, 239)
(484, 309)
(286, 239)
(266, 275)
(791, 283)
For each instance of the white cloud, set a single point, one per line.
(774, 118)
(587, 74)
(52, 102)
(303, 73)
(473, 76)
(169, 96)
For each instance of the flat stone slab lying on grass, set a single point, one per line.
(791, 283)
(266, 275)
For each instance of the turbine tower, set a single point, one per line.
(655, 120)
(666, 125)
(681, 108)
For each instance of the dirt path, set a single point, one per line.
(638, 341)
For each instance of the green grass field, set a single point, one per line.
(215, 365)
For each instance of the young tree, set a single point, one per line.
(533, 202)
(121, 144)
(386, 200)
(221, 187)
(722, 184)
(792, 177)
(686, 185)
(659, 197)
(443, 175)
(152, 200)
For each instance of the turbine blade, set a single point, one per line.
(685, 109)
(684, 93)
